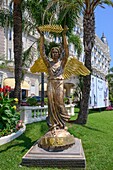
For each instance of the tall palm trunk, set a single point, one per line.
(1, 1)
(17, 15)
(88, 39)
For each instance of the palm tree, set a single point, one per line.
(1, 1)
(89, 7)
(17, 20)
(13, 18)
(6, 19)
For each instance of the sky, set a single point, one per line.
(104, 24)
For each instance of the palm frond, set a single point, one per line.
(50, 5)
(111, 69)
(5, 17)
(101, 3)
(28, 56)
(75, 39)
(108, 2)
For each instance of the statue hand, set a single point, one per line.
(40, 32)
(65, 30)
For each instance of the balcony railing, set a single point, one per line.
(30, 114)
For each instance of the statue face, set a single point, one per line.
(55, 54)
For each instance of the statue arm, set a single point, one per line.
(42, 49)
(66, 49)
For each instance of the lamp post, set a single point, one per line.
(42, 89)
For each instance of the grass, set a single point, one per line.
(96, 136)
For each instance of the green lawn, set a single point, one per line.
(96, 136)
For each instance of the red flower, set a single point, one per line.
(8, 88)
(4, 89)
(1, 90)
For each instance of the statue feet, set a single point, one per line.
(56, 140)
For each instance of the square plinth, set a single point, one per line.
(73, 157)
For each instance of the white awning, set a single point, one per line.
(11, 82)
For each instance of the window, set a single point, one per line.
(9, 54)
(10, 35)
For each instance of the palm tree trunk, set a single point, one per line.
(1, 1)
(88, 39)
(17, 15)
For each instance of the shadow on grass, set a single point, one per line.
(84, 126)
(22, 141)
(94, 129)
(96, 110)
(91, 111)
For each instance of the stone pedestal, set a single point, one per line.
(73, 157)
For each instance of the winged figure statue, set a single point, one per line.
(57, 68)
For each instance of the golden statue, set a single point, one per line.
(58, 67)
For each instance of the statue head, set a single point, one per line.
(55, 53)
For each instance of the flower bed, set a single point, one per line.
(9, 138)
(9, 117)
(109, 108)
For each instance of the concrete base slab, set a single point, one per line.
(72, 157)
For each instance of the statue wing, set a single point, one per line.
(39, 66)
(74, 67)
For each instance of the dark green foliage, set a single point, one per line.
(36, 10)
(6, 18)
(45, 100)
(32, 101)
(75, 39)
(49, 46)
(78, 91)
(8, 116)
(109, 77)
(67, 12)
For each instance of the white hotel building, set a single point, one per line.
(32, 82)
(100, 59)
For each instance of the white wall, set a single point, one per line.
(99, 94)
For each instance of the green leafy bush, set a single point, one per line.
(46, 101)
(9, 117)
(32, 101)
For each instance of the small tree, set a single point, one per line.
(109, 77)
(78, 90)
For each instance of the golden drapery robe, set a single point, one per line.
(56, 74)
(56, 109)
